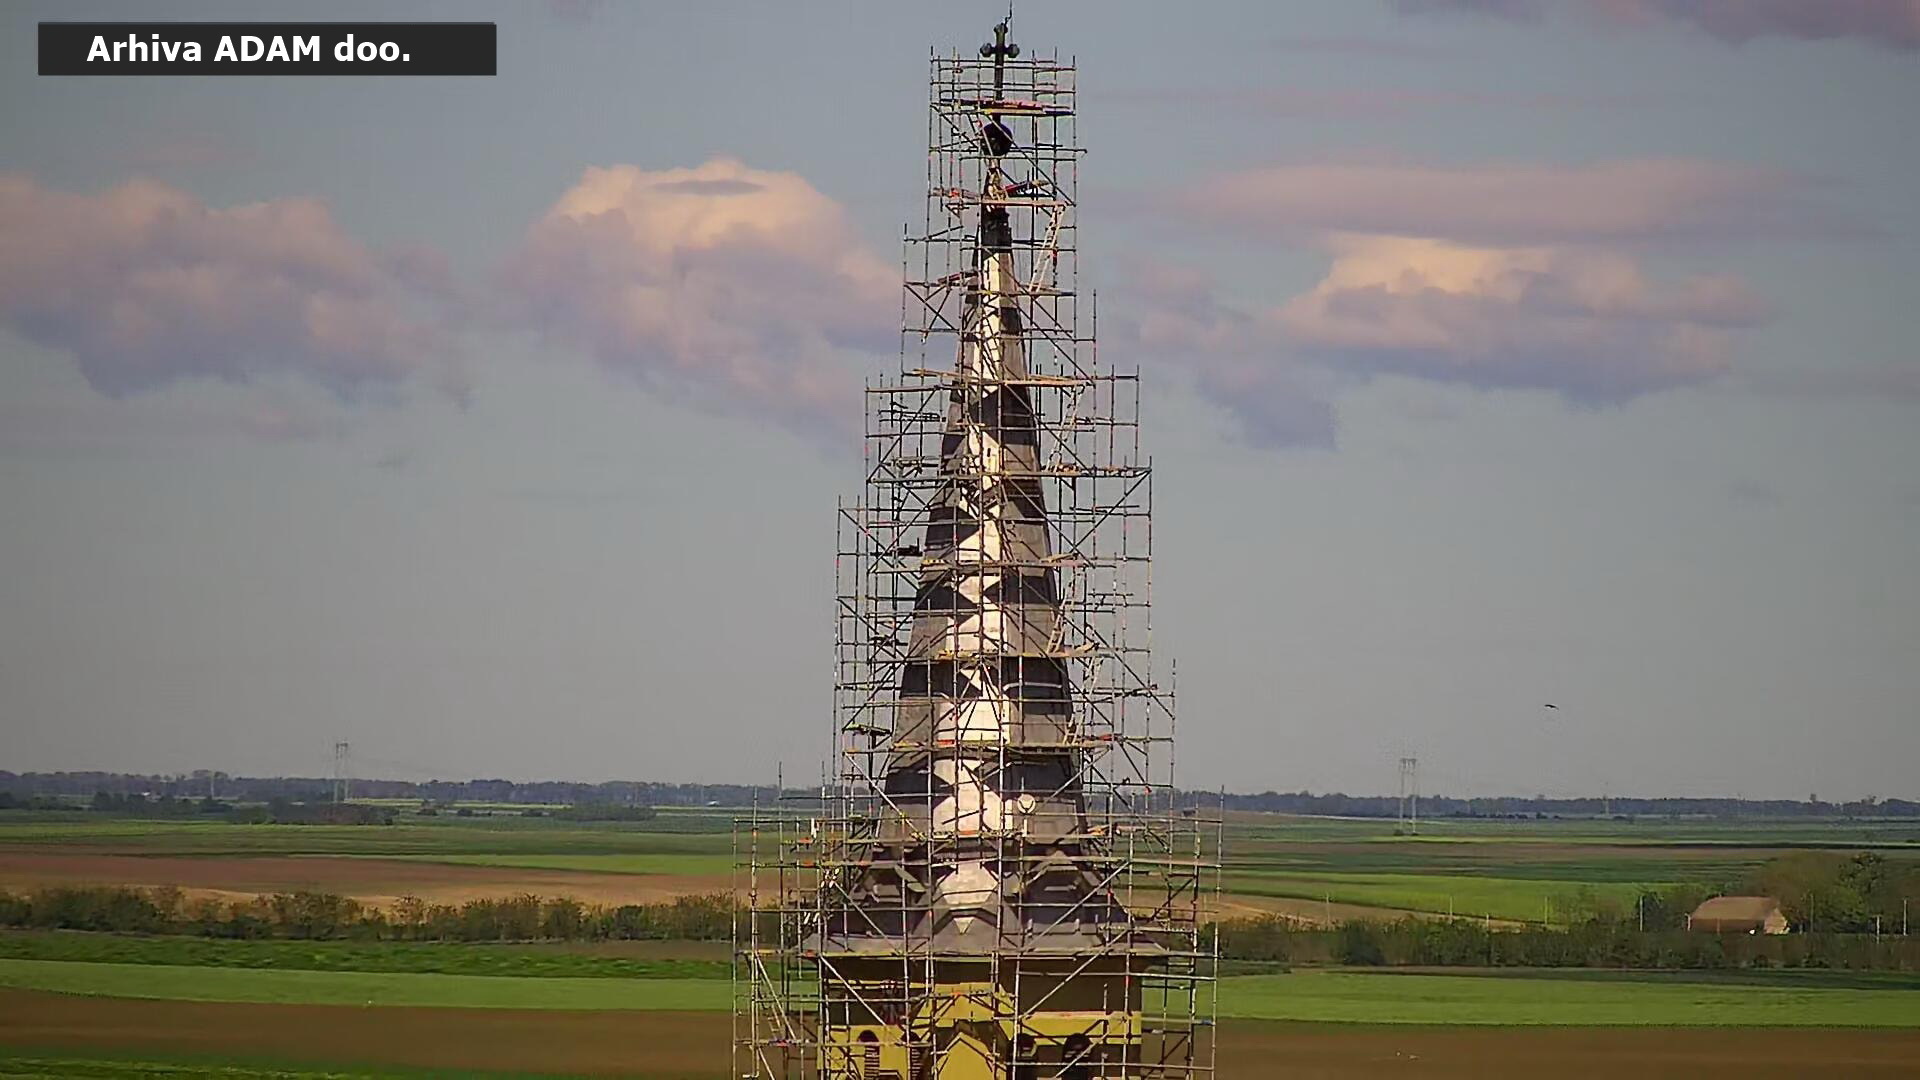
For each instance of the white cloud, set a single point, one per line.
(145, 285)
(742, 289)
(1589, 325)
(1236, 359)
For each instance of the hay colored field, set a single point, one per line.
(377, 881)
(439, 860)
(685, 864)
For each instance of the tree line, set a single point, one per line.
(1339, 804)
(1262, 942)
(276, 811)
(259, 789)
(322, 916)
(1823, 891)
(1245, 944)
(23, 787)
(1818, 891)
(1845, 911)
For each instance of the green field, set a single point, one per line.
(620, 1003)
(1728, 833)
(1515, 870)
(171, 983)
(607, 960)
(1596, 999)
(1520, 870)
(1494, 998)
(413, 836)
(1502, 898)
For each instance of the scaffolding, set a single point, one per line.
(994, 878)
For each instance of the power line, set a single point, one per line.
(1409, 811)
(342, 772)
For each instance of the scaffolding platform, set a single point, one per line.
(993, 879)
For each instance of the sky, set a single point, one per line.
(1498, 353)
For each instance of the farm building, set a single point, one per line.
(1738, 915)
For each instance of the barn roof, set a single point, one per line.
(1736, 909)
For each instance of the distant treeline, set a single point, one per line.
(326, 916)
(277, 811)
(259, 789)
(1437, 806)
(22, 788)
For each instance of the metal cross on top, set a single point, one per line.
(1001, 51)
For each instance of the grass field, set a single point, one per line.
(75, 1004)
(607, 960)
(1566, 999)
(1502, 898)
(1516, 870)
(414, 836)
(170, 983)
(61, 1035)
(1494, 998)
(1730, 833)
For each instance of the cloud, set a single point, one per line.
(1367, 103)
(1236, 360)
(742, 290)
(1645, 201)
(1493, 276)
(144, 285)
(1588, 325)
(1891, 23)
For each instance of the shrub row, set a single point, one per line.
(325, 916)
(1470, 943)
(1264, 939)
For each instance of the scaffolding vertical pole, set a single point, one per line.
(995, 878)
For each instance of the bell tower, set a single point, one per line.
(997, 879)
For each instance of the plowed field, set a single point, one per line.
(668, 1044)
